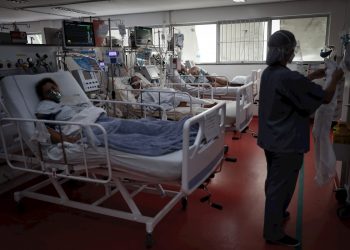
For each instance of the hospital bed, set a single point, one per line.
(181, 171)
(163, 97)
(239, 98)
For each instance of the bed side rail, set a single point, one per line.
(244, 109)
(111, 107)
(195, 89)
(70, 160)
(158, 101)
(212, 78)
(203, 157)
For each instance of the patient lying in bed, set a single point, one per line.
(145, 137)
(199, 75)
(168, 99)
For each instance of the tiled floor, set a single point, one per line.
(238, 188)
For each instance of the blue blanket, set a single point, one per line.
(144, 136)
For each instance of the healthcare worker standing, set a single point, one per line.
(287, 99)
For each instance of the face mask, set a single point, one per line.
(54, 96)
(136, 84)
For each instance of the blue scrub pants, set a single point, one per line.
(282, 175)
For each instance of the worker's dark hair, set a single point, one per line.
(40, 84)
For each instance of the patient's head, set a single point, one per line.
(195, 71)
(136, 82)
(47, 89)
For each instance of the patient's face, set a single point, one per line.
(51, 92)
(194, 71)
(136, 82)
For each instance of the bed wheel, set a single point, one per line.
(341, 195)
(149, 240)
(184, 203)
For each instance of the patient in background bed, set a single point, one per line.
(166, 99)
(202, 76)
(145, 137)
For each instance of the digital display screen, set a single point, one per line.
(87, 75)
(112, 53)
(153, 72)
(143, 36)
(78, 34)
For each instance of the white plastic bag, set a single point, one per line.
(325, 160)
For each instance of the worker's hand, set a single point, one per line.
(317, 74)
(337, 75)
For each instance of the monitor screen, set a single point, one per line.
(52, 36)
(112, 53)
(87, 75)
(151, 72)
(77, 34)
(143, 36)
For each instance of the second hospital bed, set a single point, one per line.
(182, 171)
(167, 98)
(238, 100)
(239, 96)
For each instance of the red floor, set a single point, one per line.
(238, 188)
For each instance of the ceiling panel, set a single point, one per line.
(35, 10)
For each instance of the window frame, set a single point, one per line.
(33, 34)
(114, 28)
(216, 43)
(251, 20)
(306, 16)
(263, 19)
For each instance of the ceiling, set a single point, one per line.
(36, 10)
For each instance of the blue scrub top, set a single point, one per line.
(287, 99)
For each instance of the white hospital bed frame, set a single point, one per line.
(199, 161)
(247, 94)
(126, 93)
(171, 114)
(242, 95)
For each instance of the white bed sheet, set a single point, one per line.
(166, 167)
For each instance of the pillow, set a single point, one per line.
(240, 80)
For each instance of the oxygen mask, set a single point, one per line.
(54, 96)
(137, 84)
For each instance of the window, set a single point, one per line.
(199, 42)
(160, 35)
(310, 32)
(244, 41)
(117, 38)
(34, 38)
